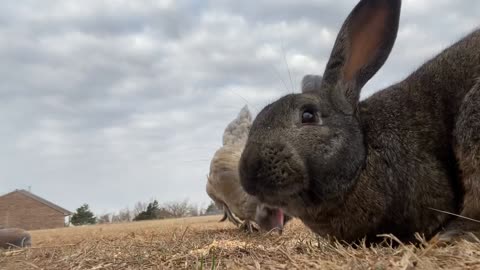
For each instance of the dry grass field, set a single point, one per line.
(203, 243)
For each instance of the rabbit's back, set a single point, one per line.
(435, 91)
(409, 130)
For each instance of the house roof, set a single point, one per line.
(41, 200)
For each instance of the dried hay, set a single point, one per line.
(203, 243)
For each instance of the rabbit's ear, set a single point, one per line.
(311, 83)
(237, 130)
(245, 114)
(362, 47)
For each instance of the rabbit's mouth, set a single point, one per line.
(270, 219)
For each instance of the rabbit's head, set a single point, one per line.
(307, 149)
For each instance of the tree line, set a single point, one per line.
(143, 211)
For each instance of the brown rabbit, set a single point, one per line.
(14, 238)
(224, 187)
(352, 169)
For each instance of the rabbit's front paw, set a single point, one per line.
(248, 227)
(459, 230)
(454, 236)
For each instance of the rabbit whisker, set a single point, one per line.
(197, 160)
(453, 214)
(244, 99)
(288, 68)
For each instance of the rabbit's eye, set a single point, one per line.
(308, 117)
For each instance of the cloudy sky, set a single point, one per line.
(111, 102)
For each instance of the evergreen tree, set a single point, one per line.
(83, 216)
(212, 209)
(151, 212)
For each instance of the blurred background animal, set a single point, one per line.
(14, 238)
(224, 187)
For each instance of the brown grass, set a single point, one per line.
(203, 243)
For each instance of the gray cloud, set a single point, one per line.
(111, 102)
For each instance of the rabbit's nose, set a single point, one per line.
(267, 168)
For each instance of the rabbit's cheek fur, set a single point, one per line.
(332, 157)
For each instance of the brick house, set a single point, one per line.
(25, 210)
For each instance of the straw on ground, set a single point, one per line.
(203, 243)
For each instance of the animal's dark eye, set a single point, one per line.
(308, 117)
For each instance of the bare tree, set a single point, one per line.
(105, 218)
(116, 218)
(202, 209)
(164, 213)
(123, 215)
(139, 208)
(177, 209)
(193, 210)
(212, 209)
